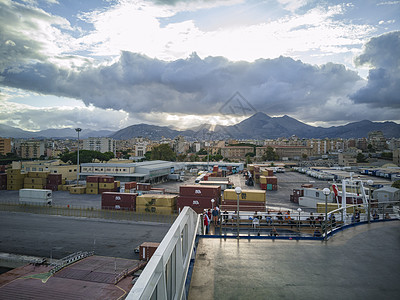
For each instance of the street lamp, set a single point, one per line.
(298, 224)
(212, 203)
(326, 192)
(77, 162)
(370, 183)
(238, 191)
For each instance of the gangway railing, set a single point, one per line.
(165, 274)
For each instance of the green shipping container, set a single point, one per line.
(269, 187)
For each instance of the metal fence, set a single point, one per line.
(86, 212)
(300, 223)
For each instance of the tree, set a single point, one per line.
(270, 154)
(202, 152)
(361, 158)
(163, 152)
(396, 184)
(85, 156)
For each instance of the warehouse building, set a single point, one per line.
(149, 171)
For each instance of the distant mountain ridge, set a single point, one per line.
(258, 126)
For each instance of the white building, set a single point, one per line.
(100, 144)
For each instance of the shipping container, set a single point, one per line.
(92, 185)
(92, 179)
(105, 179)
(198, 204)
(156, 200)
(38, 174)
(34, 180)
(53, 187)
(35, 201)
(242, 208)
(130, 185)
(123, 201)
(143, 186)
(34, 193)
(92, 191)
(250, 195)
(109, 185)
(54, 179)
(78, 190)
(14, 171)
(159, 210)
(200, 190)
(146, 250)
(35, 186)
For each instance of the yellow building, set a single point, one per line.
(53, 166)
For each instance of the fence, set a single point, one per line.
(86, 212)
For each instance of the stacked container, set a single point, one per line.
(35, 196)
(249, 200)
(297, 193)
(15, 180)
(267, 172)
(143, 186)
(269, 183)
(256, 174)
(156, 204)
(198, 197)
(36, 180)
(118, 201)
(54, 181)
(77, 190)
(92, 185)
(130, 186)
(3, 181)
(106, 184)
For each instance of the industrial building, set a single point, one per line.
(148, 171)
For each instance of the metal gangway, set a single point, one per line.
(164, 276)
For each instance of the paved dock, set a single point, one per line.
(362, 262)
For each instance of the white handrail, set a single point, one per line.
(165, 274)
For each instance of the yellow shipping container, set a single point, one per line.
(38, 174)
(34, 186)
(251, 168)
(109, 185)
(246, 195)
(32, 180)
(263, 179)
(160, 210)
(60, 187)
(15, 181)
(334, 206)
(118, 183)
(92, 191)
(77, 190)
(93, 185)
(67, 187)
(156, 200)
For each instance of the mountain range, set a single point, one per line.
(258, 126)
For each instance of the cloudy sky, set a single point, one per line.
(114, 63)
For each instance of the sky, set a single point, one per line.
(106, 65)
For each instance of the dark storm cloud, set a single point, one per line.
(382, 53)
(137, 83)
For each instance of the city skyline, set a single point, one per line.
(112, 64)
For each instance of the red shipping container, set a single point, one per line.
(263, 186)
(143, 186)
(3, 178)
(210, 191)
(271, 179)
(106, 179)
(123, 201)
(198, 204)
(54, 179)
(101, 191)
(92, 179)
(298, 192)
(270, 172)
(130, 185)
(147, 249)
(53, 187)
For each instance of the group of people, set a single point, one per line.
(211, 216)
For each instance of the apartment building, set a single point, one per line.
(236, 152)
(5, 146)
(30, 149)
(100, 144)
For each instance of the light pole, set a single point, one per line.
(298, 223)
(326, 192)
(238, 191)
(212, 204)
(77, 162)
(370, 183)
